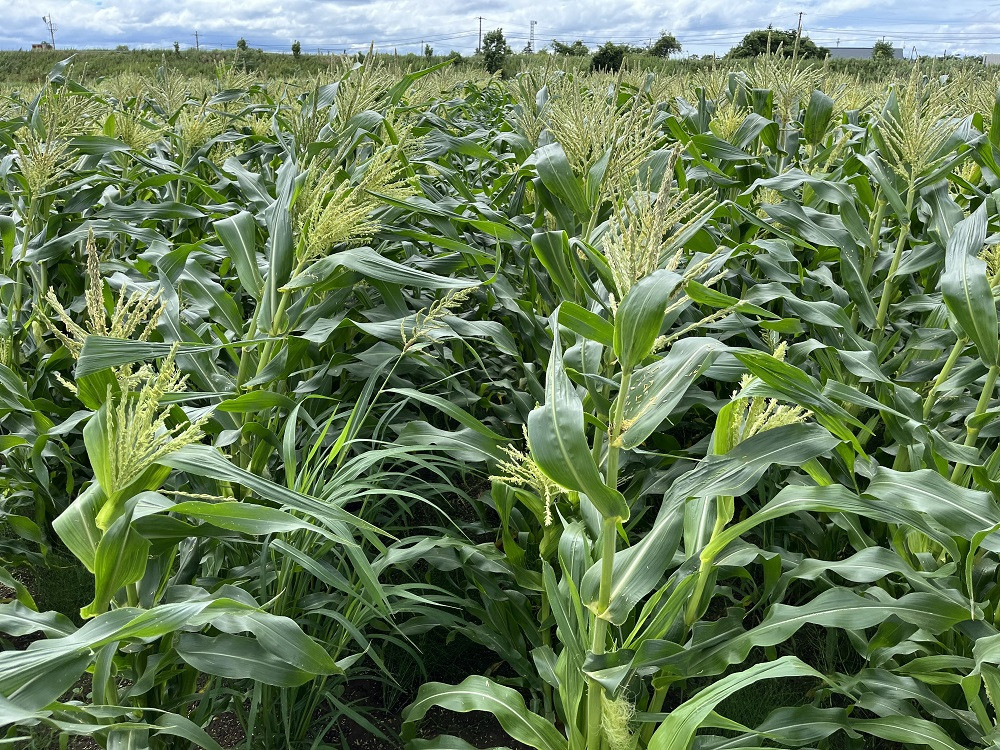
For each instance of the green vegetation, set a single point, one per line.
(29, 69)
(495, 51)
(576, 49)
(882, 50)
(777, 41)
(665, 46)
(648, 410)
(609, 58)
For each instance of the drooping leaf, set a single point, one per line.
(966, 289)
(477, 693)
(678, 729)
(559, 444)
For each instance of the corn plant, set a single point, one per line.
(628, 622)
(662, 388)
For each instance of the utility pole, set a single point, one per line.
(480, 47)
(531, 37)
(197, 42)
(51, 27)
(798, 36)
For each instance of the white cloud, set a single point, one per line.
(702, 26)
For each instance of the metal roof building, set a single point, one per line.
(860, 53)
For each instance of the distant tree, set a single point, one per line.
(759, 41)
(576, 49)
(248, 58)
(428, 51)
(610, 57)
(455, 55)
(666, 45)
(177, 48)
(296, 49)
(495, 50)
(121, 48)
(882, 50)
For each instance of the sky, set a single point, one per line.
(701, 26)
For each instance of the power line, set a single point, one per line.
(982, 35)
(881, 32)
(349, 44)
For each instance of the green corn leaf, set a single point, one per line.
(238, 657)
(322, 275)
(256, 401)
(239, 236)
(77, 525)
(95, 438)
(678, 730)
(180, 726)
(455, 412)
(907, 729)
(657, 388)
(444, 742)
(587, 324)
(819, 112)
(736, 471)
(640, 315)
(552, 250)
(828, 499)
(638, 569)
(101, 352)
(243, 517)
(961, 511)
(966, 289)
(283, 638)
(557, 175)
(477, 693)
(120, 560)
(801, 725)
(17, 619)
(96, 145)
(801, 389)
(558, 442)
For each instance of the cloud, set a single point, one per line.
(702, 26)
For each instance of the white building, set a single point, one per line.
(860, 53)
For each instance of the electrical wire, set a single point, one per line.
(840, 32)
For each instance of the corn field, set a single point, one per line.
(637, 411)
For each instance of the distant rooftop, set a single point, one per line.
(860, 53)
